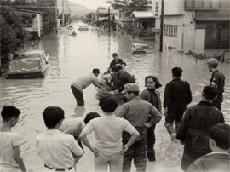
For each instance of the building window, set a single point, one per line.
(170, 30)
(202, 4)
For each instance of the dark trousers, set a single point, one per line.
(78, 95)
(151, 139)
(137, 152)
(217, 101)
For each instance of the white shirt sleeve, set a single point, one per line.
(129, 128)
(89, 128)
(76, 148)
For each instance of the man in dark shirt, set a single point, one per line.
(177, 96)
(195, 127)
(115, 60)
(217, 80)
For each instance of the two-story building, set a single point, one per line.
(195, 24)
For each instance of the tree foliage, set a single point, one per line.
(12, 30)
(128, 6)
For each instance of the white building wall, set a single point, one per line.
(176, 15)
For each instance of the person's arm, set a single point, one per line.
(184, 126)
(85, 141)
(189, 95)
(121, 111)
(166, 99)
(156, 116)
(18, 159)
(76, 149)
(134, 135)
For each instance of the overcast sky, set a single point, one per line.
(91, 4)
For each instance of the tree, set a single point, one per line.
(12, 30)
(128, 6)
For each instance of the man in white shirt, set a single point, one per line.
(83, 82)
(55, 148)
(108, 134)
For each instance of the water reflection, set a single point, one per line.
(72, 57)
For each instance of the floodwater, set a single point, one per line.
(72, 57)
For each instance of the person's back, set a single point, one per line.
(10, 160)
(55, 148)
(218, 160)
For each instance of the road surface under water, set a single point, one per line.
(72, 57)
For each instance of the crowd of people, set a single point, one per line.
(127, 132)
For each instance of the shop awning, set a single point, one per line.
(141, 14)
(224, 15)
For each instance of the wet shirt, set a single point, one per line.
(108, 132)
(136, 111)
(196, 124)
(7, 141)
(83, 82)
(218, 79)
(177, 92)
(56, 149)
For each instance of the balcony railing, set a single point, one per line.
(202, 4)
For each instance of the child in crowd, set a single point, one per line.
(74, 127)
(108, 134)
(218, 159)
(10, 160)
(55, 148)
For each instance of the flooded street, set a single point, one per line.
(72, 57)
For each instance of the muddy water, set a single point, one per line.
(72, 57)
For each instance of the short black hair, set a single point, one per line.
(157, 85)
(90, 116)
(177, 71)
(108, 104)
(220, 133)
(119, 67)
(9, 112)
(115, 54)
(96, 70)
(114, 69)
(52, 115)
(209, 92)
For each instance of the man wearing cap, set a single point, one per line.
(83, 82)
(152, 96)
(137, 111)
(217, 80)
(195, 126)
(177, 96)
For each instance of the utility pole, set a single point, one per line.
(162, 26)
(63, 13)
(109, 18)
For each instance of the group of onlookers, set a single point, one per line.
(127, 132)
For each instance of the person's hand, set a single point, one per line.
(125, 149)
(94, 150)
(166, 111)
(148, 125)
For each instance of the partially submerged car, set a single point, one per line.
(82, 28)
(30, 64)
(138, 48)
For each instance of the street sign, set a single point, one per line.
(156, 8)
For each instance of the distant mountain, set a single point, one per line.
(77, 9)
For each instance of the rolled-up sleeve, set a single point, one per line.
(77, 151)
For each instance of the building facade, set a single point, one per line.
(195, 24)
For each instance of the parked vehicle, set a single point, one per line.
(82, 28)
(30, 64)
(138, 48)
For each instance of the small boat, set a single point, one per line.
(30, 64)
(138, 48)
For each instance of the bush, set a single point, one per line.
(12, 31)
